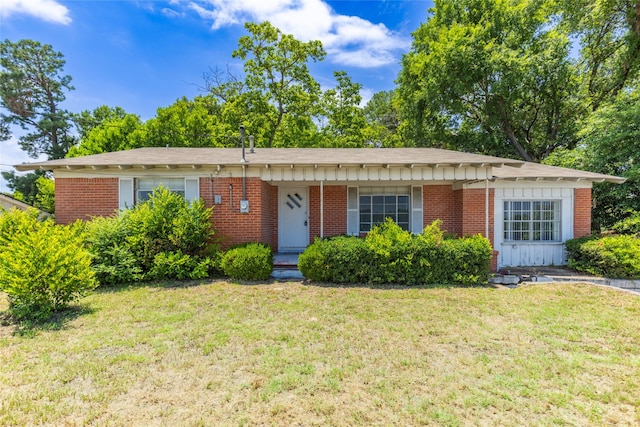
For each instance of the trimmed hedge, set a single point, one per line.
(390, 254)
(610, 256)
(250, 261)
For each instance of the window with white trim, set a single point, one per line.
(532, 220)
(378, 203)
(145, 186)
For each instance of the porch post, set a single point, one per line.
(486, 208)
(321, 209)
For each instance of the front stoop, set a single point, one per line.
(285, 266)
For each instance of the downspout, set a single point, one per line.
(321, 209)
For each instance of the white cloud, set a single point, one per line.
(348, 40)
(47, 10)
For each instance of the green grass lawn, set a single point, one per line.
(294, 354)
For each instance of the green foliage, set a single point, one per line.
(609, 256)
(43, 267)
(492, 77)
(164, 237)
(24, 187)
(390, 254)
(45, 198)
(277, 74)
(113, 260)
(177, 265)
(251, 261)
(630, 225)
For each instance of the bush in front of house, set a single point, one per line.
(616, 256)
(165, 237)
(390, 254)
(250, 261)
(630, 225)
(43, 267)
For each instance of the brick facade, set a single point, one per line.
(335, 210)
(437, 203)
(461, 211)
(470, 211)
(232, 226)
(581, 212)
(84, 198)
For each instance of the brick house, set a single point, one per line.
(286, 197)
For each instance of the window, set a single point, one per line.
(145, 186)
(534, 221)
(377, 204)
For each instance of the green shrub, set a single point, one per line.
(629, 225)
(390, 254)
(165, 237)
(113, 260)
(609, 256)
(251, 261)
(176, 265)
(167, 223)
(43, 266)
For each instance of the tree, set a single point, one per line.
(31, 90)
(111, 134)
(383, 119)
(611, 139)
(345, 118)
(276, 72)
(608, 32)
(87, 120)
(23, 186)
(490, 76)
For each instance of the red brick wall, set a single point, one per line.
(83, 198)
(469, 214)
(437, 203)
(233, 227)
(335, 210)
(581, 212)
(269, 196)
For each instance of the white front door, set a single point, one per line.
(293, 219)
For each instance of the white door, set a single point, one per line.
(293, 219)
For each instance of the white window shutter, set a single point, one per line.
(353, 225)
(126, 193)
(417, 224)
(191, 189)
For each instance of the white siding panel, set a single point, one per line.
(191, 189)
(513, 254)
(125, 193)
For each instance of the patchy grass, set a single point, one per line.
(294, 354)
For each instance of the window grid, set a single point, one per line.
(375, 208)
(529, 220)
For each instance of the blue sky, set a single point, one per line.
(141, 55)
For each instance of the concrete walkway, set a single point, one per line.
(565, 274)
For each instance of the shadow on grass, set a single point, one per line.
(389, 286)
(29, 328)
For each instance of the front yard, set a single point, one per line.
(218, 353)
